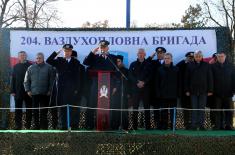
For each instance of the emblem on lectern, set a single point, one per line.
(104, 91)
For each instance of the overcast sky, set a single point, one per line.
(74, 13)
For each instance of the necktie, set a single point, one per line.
(104, 56)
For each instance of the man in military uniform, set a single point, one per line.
(185, 100)
(83, 87)
(155, 64)
(98, 61)
(211, 99)
(68, 84)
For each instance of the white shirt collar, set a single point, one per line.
(68, 59)
(161, 61)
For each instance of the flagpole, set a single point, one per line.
(128, 13)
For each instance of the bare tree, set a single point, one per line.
(99, 24)
(221, 13)
(37, 13)
(86, 24)
(8, 15)
(166, 25)
(134, 24)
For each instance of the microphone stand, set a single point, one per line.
(123, 76)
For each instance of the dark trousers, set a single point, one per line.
(67, 96)
(226, 116)
(4, 112)
(198, 116)
(186, 103)
(54, 110)
(211, 105)
(167, 103)
(137, 97)
(74, 117)
(18, 112)
(63, 118)
(54, 115)
(156, 102)
(40, 115)
(92, 102)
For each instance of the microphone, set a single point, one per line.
(103, 54)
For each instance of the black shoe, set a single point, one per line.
(202, 128)
(54, 127)
(74, 128)
(217, 128)
(164, 127)
(158, 128)
(126, 129)
(133, 128)
(44, 128)
(89, 128)
(228, 127)
(63, 128)
(187, 127)
(36, 128)
(27, 128)
(17, 128)
(3, 128)
(221, 128)
(148, 127)
(193, 128)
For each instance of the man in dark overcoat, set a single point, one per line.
(17, 90)
(155, 64)
(167, 89)
(185, 101)
(198, 85)
(68, 84)
(224, 88)
(139, 75)
(99, 59)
